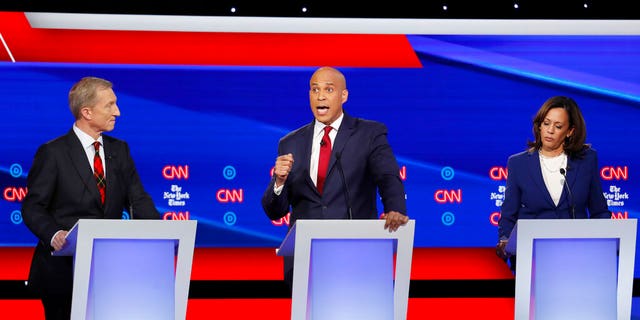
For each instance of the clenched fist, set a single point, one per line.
(284, 163)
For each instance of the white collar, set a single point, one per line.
(319, 126)
(85, 139)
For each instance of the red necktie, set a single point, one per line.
(325, 155)
(98, 172)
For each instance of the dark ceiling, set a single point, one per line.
(440, 9)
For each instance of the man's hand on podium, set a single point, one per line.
(501, 249)
(394, 220)
(59, 240)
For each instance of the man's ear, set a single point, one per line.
(86, 113)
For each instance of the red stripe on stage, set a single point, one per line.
(279, 309)
(458, 264)
(203, 48)
(263, 264)
(236, 264)
(461, 308)
(15, 263)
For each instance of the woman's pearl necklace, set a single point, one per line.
(560, 161)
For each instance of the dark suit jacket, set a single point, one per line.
(527, 197)
(62, 189)
(367, 162)
(363, 153)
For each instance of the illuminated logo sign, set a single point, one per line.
(448, 218)
(229, 172)
(230, 218)
(171, 172)
(171, 215)
(284, 221)
(615, 197)
(230, 195)
(498, 173)
(498, 197)
(14, 193)
(614, 173)
(494, 217)
(176, 197)
(444, 196)
(447, 173)
(403, 173)
(620, 215)
(15, 170)
(16, 217)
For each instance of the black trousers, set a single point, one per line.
(57, 307)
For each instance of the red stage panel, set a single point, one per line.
(458, 264)
(201, 309)
(263, 264)
(280, 309)
(203, 48)
(15, 263)
(21, 309)
(461, 308)
(236, 264)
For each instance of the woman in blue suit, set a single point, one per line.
(557, 177)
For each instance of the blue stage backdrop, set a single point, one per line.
(204, 138)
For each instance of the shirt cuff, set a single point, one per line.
(277, 190)
(54, 236)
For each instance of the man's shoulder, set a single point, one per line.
(300, 132)
(369, 123)
(58, 142)
(113, 140)
(366, 126)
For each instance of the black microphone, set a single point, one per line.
(563, 172)
(322, 143)
(344, 183)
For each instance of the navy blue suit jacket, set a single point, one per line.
(527, 197)
(62, 190)
(362, 151)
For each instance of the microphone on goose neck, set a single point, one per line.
(344, 184)
(563, 172)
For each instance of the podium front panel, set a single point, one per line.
(131, 269)
(575, 279)
(319, 242)
(564, 259)
(353, 276)
(129, 277)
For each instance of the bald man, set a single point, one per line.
(334, 167)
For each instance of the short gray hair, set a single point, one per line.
(83, 93)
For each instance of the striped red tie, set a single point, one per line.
(323, 162)
(98, 172)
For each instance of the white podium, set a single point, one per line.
(346, 269)
(131, 269)
(574, 269)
